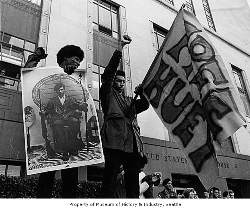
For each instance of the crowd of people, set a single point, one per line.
(147, 182)
(189, 193)
(216, 193)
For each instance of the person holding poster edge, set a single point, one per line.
(68, 58)
(120, 132)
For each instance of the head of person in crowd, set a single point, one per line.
(211, 191)
(143, 160)
(225, 195)
(215, 193)
(69, 58)
(220, 194)
(231, 194)
(206, 194)
(195, 195)
(189, 193)
(119, 81)
(167, 184)
(156, 178)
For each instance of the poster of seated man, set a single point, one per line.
(61, 125)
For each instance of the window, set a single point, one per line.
(239, 187)
(160, 34)
(105, 41)
(208, 14)
(14, 53)
(105, 18)
(190, 6)
(183, 181)
(15, 49)
(240, 83)
(13, 170)
(10, 170)
(2, 169)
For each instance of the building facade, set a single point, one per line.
(97, 26)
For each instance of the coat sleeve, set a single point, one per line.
(49, 107)
(109, 72)
(108, 76)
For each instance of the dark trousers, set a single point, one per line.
(66, 137)
(113, 160)
(69, 183)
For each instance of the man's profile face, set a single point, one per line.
(169, 185)
(60, 92)
(119, 83)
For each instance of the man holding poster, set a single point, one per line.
(69, 58)
(58, 139)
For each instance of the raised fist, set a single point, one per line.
(138, 89)
(126, 39)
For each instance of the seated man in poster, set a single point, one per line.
(63, 114)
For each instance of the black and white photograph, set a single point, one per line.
(125, 103)
(61, 125)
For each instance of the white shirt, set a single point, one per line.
(62, 100)
(143, 186)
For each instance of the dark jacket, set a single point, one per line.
(60, 113)
(120, 126)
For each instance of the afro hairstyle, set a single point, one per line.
(69, 51)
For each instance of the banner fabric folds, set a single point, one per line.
(189, 88)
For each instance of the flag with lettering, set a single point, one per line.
(189, 88)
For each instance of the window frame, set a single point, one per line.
(244, 89)
(157, 29)
(111, 33)
(102, 28)
(9, 48)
